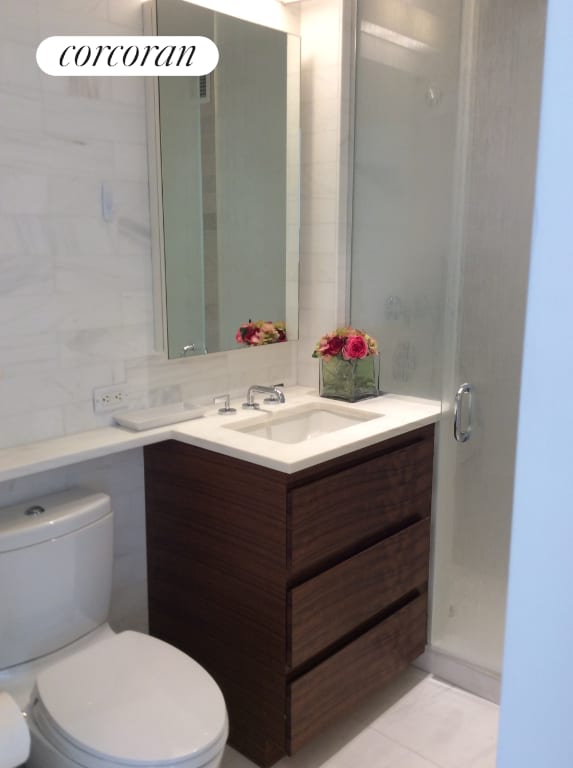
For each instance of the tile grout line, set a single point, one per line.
(412, 751)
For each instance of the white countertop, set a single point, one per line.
(398, 414)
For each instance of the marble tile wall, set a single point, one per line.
(325, 142)
(75, 290)
(121, 476)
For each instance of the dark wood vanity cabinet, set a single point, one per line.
(299, 593)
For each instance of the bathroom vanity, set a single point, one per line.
(295, 572)
(300, 592)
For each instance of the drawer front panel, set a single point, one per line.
(340, 682)
(333, 514)
(331, 605)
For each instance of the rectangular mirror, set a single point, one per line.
(227, 166)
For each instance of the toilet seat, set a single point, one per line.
(131, 700)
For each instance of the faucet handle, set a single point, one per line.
(248, 406)
(226, 409)
(274, 398)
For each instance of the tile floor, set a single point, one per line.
(417, 722)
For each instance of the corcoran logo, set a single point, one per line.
(124, 56)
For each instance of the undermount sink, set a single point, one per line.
(303, 423)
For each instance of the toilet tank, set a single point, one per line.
(55, 572)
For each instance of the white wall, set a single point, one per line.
(121, 476)
(75, 291)
(535, 727)
(77, 301)
(325, 33)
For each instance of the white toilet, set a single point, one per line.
(92, 698)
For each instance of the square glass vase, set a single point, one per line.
(350, 380)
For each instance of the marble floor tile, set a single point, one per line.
(413, 686)
(371, 749)
(453, 728)
(320, 751)
(416, 722)
(232, 759)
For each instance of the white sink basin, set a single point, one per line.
(303, 423)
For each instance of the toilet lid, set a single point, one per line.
(134, 699)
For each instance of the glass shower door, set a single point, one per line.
(447, 107)
(502, 56)
(405, 132)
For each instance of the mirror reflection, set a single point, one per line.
(230, 157)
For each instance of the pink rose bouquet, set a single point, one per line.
(346, 344)
(258, 332)
(349, 368)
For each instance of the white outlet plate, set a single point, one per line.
(110, 398)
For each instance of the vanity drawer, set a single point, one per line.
(332, 515)
(333, 604)
(340, 682)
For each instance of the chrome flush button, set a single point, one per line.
(34, 511)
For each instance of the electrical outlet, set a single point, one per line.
(110, 398)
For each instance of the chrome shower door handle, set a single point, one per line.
(463, 435)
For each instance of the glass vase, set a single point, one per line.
(349, 380)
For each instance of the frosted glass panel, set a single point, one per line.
(447, 108)
(406, 109)
(474, 502)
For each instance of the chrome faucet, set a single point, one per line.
(277, 395)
